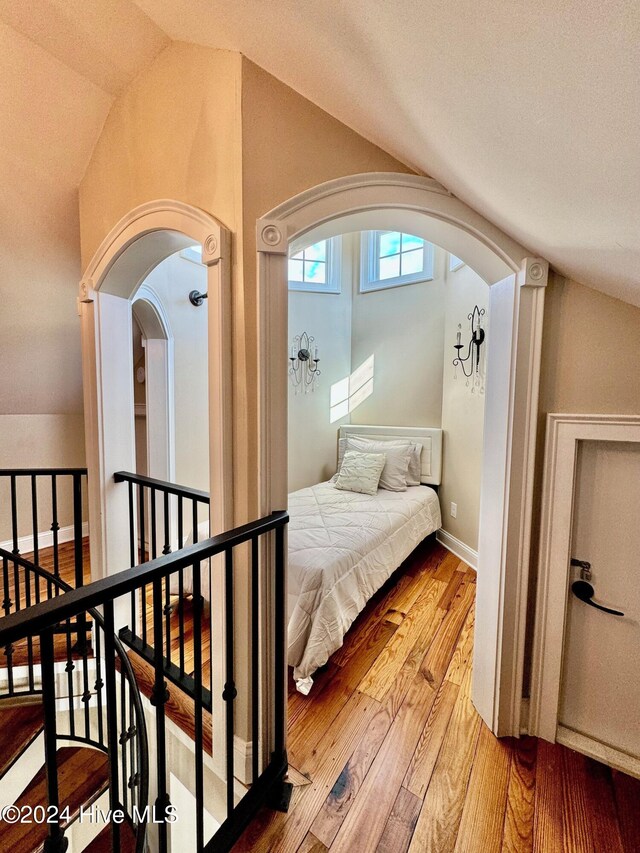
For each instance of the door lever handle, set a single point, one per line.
(584, 591)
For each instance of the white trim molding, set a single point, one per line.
(45, 539)
(563, 434)
(420, 206)
(457, 547)
(136, 245)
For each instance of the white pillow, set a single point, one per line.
(400, 468)
(360, 472)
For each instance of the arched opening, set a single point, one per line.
(420, 206)
(118, 285)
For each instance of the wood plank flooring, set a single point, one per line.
(388, 754)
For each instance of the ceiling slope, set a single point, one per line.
(529, 112)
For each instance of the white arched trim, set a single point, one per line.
(139, 242)
(516, 307)
(153, 320)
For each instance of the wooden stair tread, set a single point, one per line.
(82, 776)
(20, 726)
(179, 708)
(102, 842)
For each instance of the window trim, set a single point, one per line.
(455, 263)
(333, 283)
(369, 259)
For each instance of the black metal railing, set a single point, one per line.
(43, 508)
(259, 542)
(165, 517)
(72, 662)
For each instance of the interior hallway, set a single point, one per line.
(388, 754)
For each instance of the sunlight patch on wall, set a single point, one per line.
(348, 393)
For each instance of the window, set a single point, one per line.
(391, 259)
(316, 268)
(192, 253)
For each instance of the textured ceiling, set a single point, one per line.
(528, 111)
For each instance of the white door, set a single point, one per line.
(600, 689)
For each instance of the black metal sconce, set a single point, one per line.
(473, 349)
(196, 298)
(303, 363)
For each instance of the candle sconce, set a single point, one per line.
(471, 360)
(303, 363)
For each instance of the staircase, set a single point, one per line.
(81, 717)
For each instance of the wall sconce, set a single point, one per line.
(196, 298)
(473, 350)
(303, 363)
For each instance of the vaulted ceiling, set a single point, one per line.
(528, 111)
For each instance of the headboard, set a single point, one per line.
(429, 437)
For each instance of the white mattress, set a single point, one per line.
(342, 547)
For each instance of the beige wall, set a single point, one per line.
(39, 441)
(326, 316)
(462, 411)
(589, 365)
(403, 327)
(174, 133)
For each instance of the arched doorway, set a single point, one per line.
(384, 201)
(136, 245)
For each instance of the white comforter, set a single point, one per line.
(342, 547)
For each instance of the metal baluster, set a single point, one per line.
(124, 737)
(112, 719)
(27, 584)
(160, 696)
(229, 693)
(167, 597)
(14, 515)
(143, 591)
(197, 677)
(181, 589)
(56, 843)
(255, 658)
(6, 592)
(86, 693)
(132, 553)
(55, 527)
(280, 628)
(34, 521)
(77, 530)
(154, 532)
(69, 667)
(97, 630)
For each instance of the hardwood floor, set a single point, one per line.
(387, 753)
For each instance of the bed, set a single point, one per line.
(343, 546)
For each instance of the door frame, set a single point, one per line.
(508, 470)
(564, 432)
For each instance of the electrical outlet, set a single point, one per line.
(454, 510)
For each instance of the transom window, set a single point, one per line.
(316, 268)
(392, 258)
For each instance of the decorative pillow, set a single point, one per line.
(395, 475)
(360, 472)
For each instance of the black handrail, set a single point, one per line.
(162, 485)
(48, 613)
(268, 774)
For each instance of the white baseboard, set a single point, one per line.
(458, 548)
(243, 755)
(601, 752)
(45, 539)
